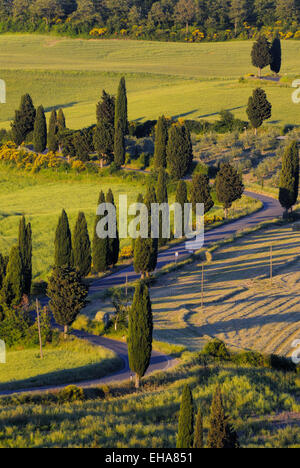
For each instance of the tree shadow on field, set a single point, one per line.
(218, 113)
(61, 106)
(185, 114)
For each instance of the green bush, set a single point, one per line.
(250, 358)
(216, 349)
(70, 393)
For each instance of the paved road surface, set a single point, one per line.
(271, 210)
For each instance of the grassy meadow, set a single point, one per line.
(179, 80)
(63, 362)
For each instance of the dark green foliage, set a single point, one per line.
(259, 108)
(198, 435)
(119, 145)
(186, 420)
(121, 112)
(105, 111)
(100, 246)
(200, 192)
(61, 121)
(25, 246)
(13, 284)
(261, 54)
(179, 151)
(220, 435)
(63, 243)
(24, 120)
(161, 197)
(140, 328)
(52, 132)
(217, 349)
(161, 139)
(65, 139)
(67, 295)
(181, 197)
(229, 185)
(289, 178)
(83, 144)
(114, 244)
(142, 130)
(276, 55)
(82, 258)
(40, 131)
(104, 140)
(3, 266)
(70, 393)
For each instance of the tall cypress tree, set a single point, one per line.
(179, 151)
(289, 178)
(25, 247)
(119, 145)
(181, 197)
(200, 192)
(100, 246)
(161, 139)
(104, 135)
(276, 55)
(121, 112)
(63, 242)
(24, 120)
(220, 435)
(140, 199)
(229, 186)
(150, 198)
(161, 197)
(186, 420)
(40, 131)
(198, 436)
(140, 329)
(105, 111)
(52, 132)
(114, 244)
(13, 284)
(3, 266)
(259, 108)
(261, 54)
(61, 120)
(82, 259)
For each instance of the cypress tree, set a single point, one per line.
(161, 139)
(104, 135)
(63, 242)
(181, 197)
(25, 246)
(24, 120)
(105, 111)
(121, 112)
(220, 435)
(40, 131)
(114, 244)
(140, 199)
(179, 151)
(142, 255)
(289, 178)
(52, 132)
(150, 198)
(186, 420)
(200, 192)
(198, 436)
(276, 55)
(140, 328)
(61, 121)
(67, 296)
(13, 284)
(82, 259)
(229, 186)
(3, 266)
(259, 108)
(161, 197)
(261, 54)
(119, 145)
(100, 246)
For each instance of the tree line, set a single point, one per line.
(80, 16)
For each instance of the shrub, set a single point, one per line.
(216, 349)
(70, 393)
(250, 358)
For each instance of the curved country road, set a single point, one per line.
(271, 209)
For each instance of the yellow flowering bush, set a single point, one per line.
(98, 32)
(78, 166)
(126, 252)
(27, 159)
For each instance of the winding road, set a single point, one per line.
(271, 209)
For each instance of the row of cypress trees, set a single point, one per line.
(221, 435)
(173, 148)
(77, 250)
(16, 270)
(265, 53)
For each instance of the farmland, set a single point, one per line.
(180, 80)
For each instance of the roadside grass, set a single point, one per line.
(251, 396)
(71, 73)
(68, 361)
(236, 307)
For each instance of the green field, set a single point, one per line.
(63, 362)
(188, 80)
